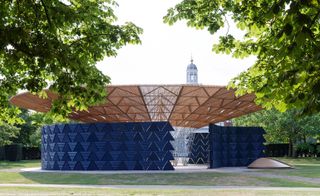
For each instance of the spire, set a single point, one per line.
(191, 59)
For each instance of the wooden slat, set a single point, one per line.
(183, 105)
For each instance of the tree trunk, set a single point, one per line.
(294, 149)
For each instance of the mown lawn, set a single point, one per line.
(303, 167)
(196, 179)
(171, 192)
(19, 164)
(10, 173)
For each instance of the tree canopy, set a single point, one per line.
(7, 133)
(55, 44)
(284, 127)
(284, 35)
(29, 133)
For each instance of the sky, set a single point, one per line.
(166, 51)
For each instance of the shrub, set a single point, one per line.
(306, 149)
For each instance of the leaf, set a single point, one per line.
(282, 107)
(281, 34)
(56, 45)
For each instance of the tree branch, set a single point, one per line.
(314, 18)
(46, 11)
(226, 20)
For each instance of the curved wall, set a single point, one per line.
(107, 146)
(235, 146)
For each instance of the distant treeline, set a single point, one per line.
(16, 152)
(302, 150)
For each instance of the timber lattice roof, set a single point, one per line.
(182, 105)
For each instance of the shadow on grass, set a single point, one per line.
(304, 167)
(127, 179)
(195, 179)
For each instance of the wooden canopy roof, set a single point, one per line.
(182, 105)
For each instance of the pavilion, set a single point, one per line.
(131, 130)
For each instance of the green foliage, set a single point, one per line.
(30, 131)
(307, 149)
(38, 120)
(282, 127)
(25, 128)
(7, 132)
(55, 44)
(283, 34)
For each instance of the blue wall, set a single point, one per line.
(199, 148)
(107, 146)
(235, 146)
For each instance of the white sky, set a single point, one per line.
(165, 52)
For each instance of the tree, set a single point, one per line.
(283, 127)
(25, 129)
(7, 132)
(29, 132)
(37, 121)
(284, 36)
(55, 44)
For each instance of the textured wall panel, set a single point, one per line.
(199, 148)
(235, 146)
(107, 146)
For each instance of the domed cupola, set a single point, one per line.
(192, 66)
(192, 73)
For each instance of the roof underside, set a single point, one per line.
(182, 105)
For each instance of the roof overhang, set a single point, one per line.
(182, 105)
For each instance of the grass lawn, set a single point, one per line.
(10, 173)
(107, 191)
(197, 179)
(19, 164)
(304, 167)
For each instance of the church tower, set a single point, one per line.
(192, 73)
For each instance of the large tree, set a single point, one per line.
(55, 44)
(284, 35)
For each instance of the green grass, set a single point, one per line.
(9, 173)
(19, 164)
(174, 192)
(303, 167)
(128, 179)
(300, 161)
(196, 179)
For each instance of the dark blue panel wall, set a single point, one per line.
(235, 146)
(107, 146)
(199, 148)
